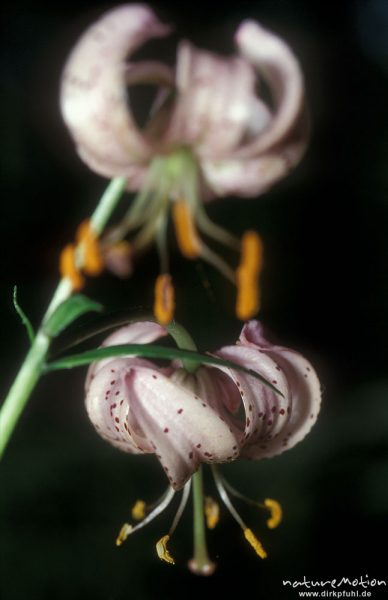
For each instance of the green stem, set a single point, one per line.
(32, 367)
(200, 563)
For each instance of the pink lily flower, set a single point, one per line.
(208, 135)
(187, 419)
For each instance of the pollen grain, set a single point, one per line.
(275, 510)
(164, 299)
(255, 543)
(123, 534)
(162, 551)
(186, 233)
(138, 510)
(247, 276)
(212, 512)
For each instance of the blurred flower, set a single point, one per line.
(213, 415)
(208, 134)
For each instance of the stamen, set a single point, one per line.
(276, 513)
(249, 535)
(127, 529)
(138, 511)
(255, 543)
(68, 267)
(247, 276)
(273, 506)
(161, 549)
(212, 512)
(186, 233)
(161, 545)
(93, 263)
(164, 303)
(181, 507)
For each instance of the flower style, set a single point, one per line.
(208, 135)
(190, 418)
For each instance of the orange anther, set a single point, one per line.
(186, 233)
(247, 276)
(164, 303)
(68, 267)
(93, 263)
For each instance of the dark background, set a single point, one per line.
(64, 492)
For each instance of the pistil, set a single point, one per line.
(200, 564)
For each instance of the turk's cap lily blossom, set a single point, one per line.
(209, 134)
(208, 103)
(186, 419)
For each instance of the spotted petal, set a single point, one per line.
(182, 428)
(273, 423)
(93, 91)
(140, 332)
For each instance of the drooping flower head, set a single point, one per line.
(214, 415)
(209, 134)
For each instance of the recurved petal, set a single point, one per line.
(280, 69)
(108, 406)
(265, 411)
(246, 178)
(304, 387)
(276, 423)
(93, 91)
(215, 102)
(182, 428)
(140, 332)
(250, 177)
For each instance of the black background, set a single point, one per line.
(64, 492)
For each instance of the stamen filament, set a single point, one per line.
(214, 231)
(181, 507)
(164, 302)
(127, 529)
(161, 545)
(248, 533)
(273, 506)
(213, 259)
(200, 564)
(247, 276)
(186, 233)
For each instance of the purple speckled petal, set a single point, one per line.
(182, 428)
(273, 424)
(107, 403)
(93, 92)
(141, 332)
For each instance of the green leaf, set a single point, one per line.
(148, 351)
(24, 319)
(69, 311)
